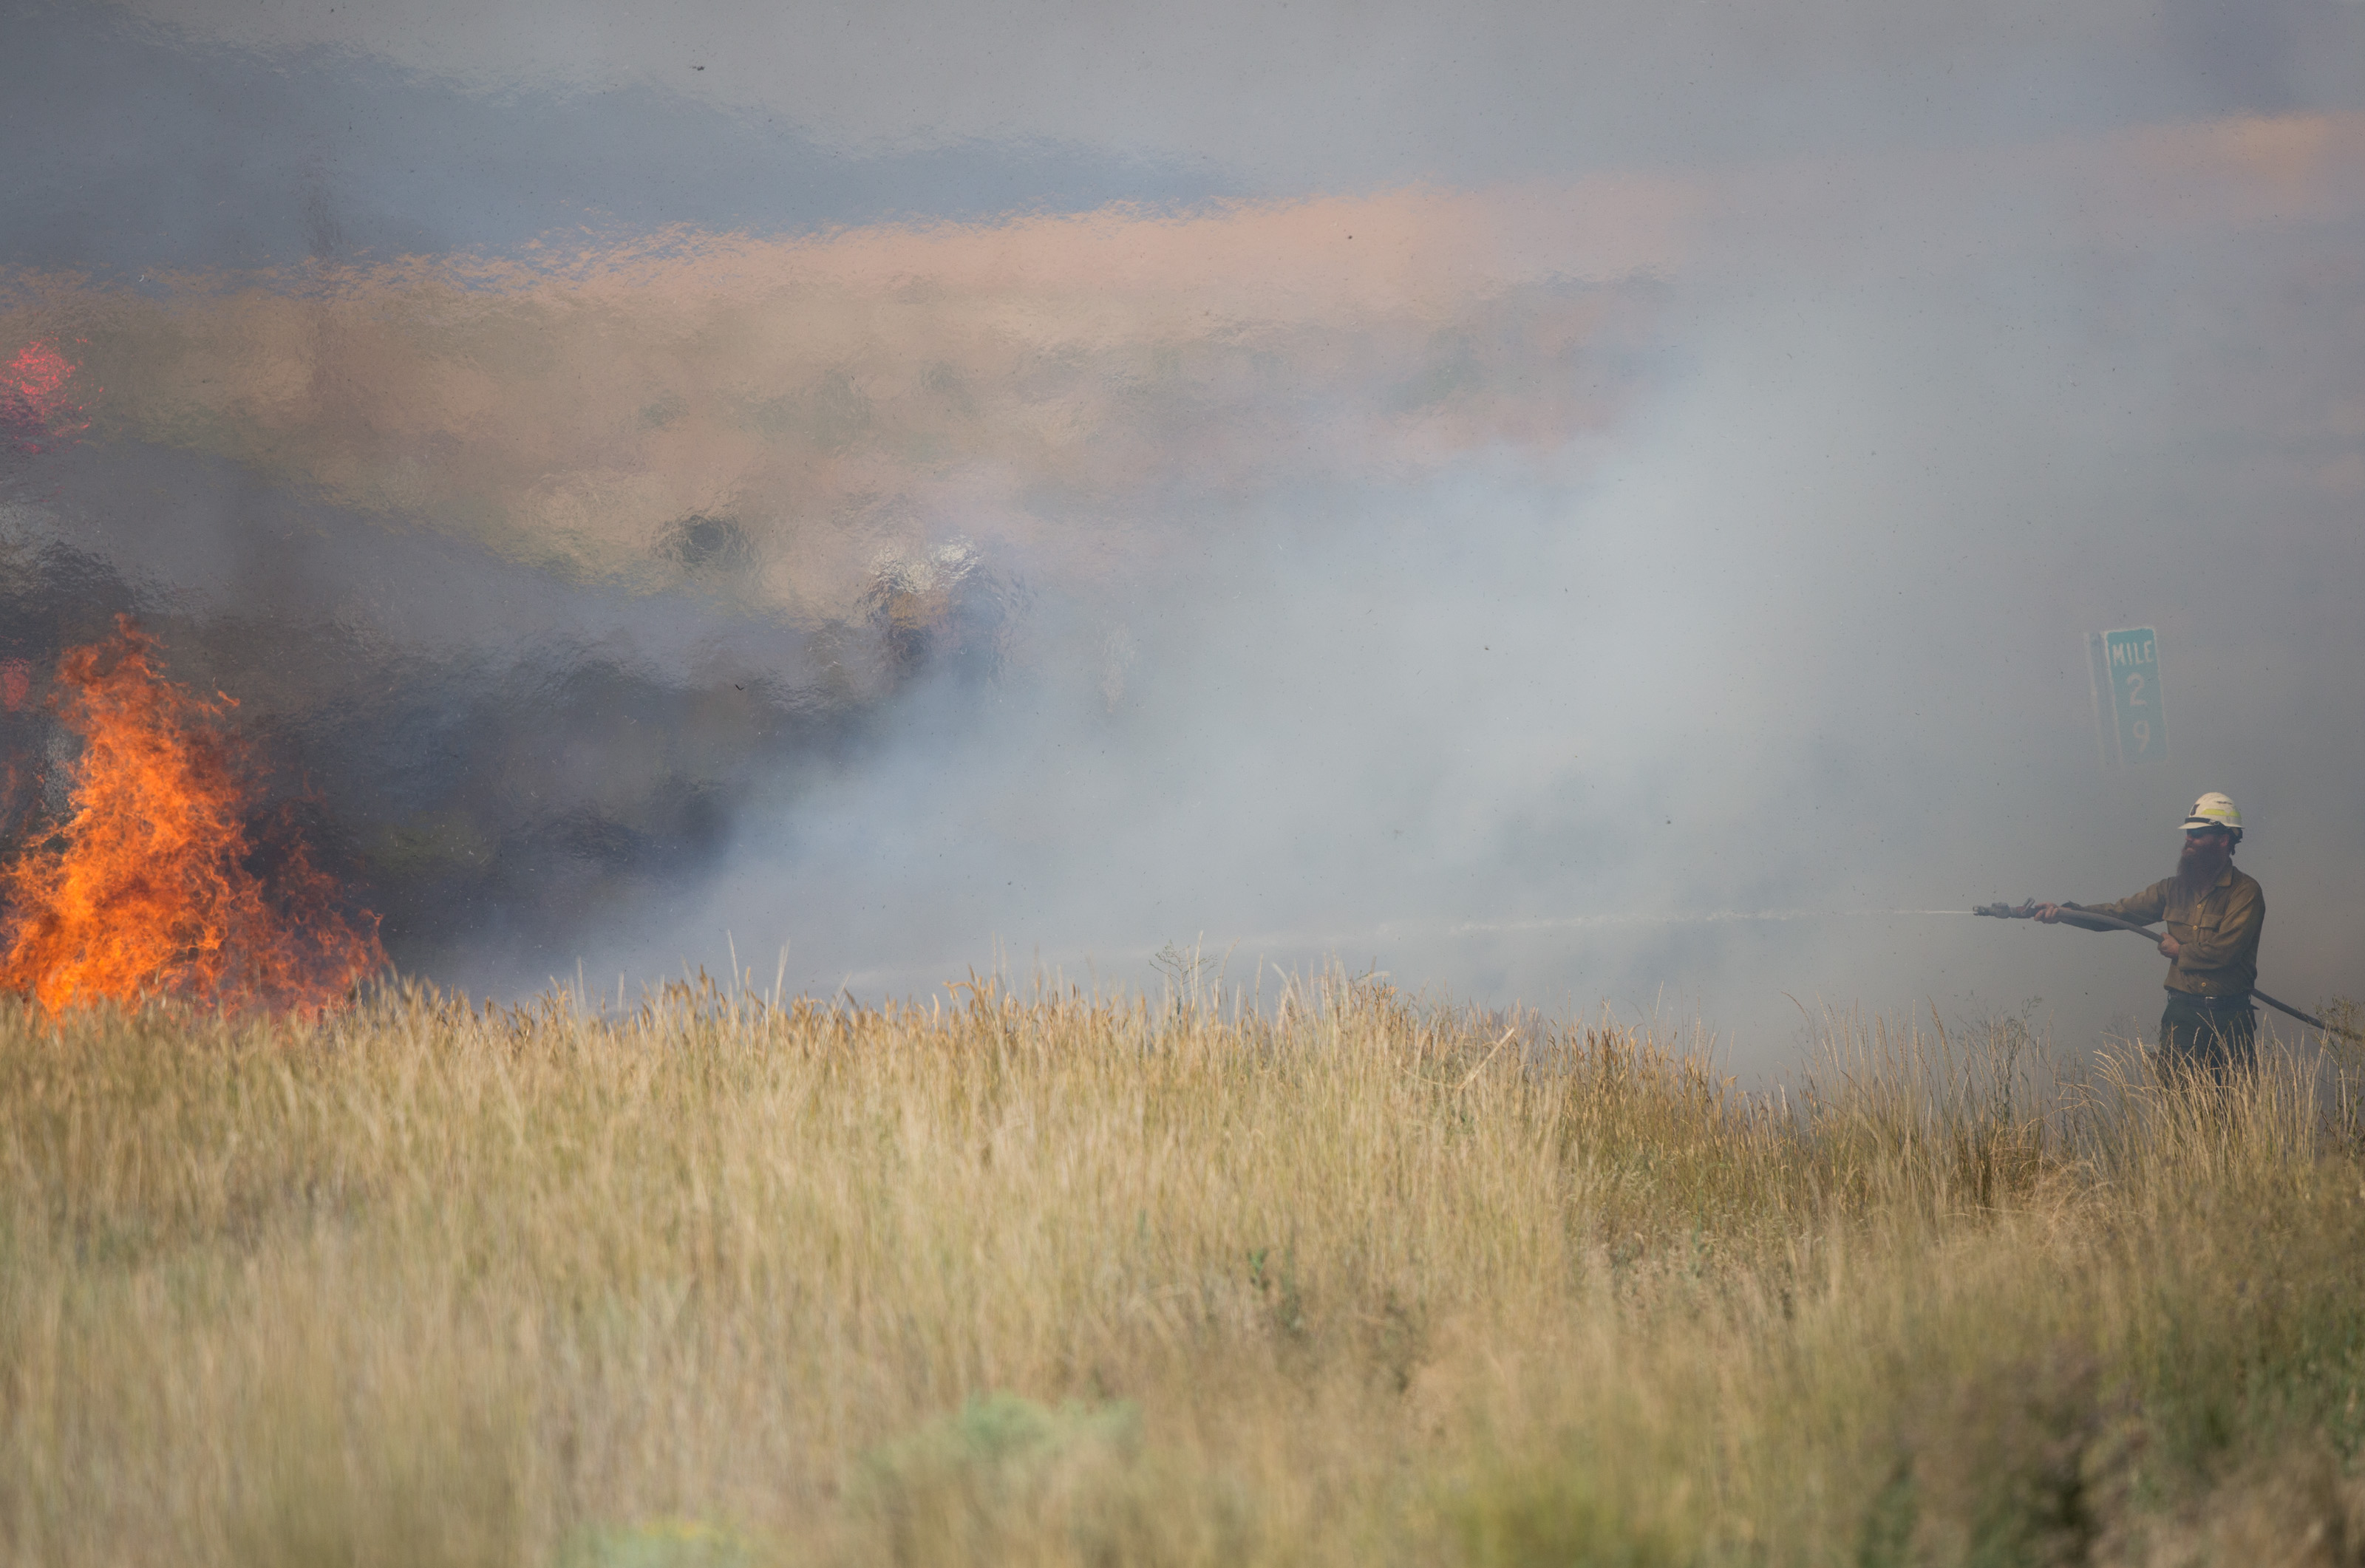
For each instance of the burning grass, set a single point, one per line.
(1071, 1282)
(150, 887)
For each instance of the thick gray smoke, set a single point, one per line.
(1661, 552)
(1806, 636)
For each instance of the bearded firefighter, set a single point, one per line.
(2215, 914)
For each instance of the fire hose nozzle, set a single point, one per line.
(2005, 911)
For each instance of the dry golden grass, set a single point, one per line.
(1063, 1281)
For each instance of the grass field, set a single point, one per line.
(1350, 1280)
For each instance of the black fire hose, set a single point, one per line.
(2088, 920)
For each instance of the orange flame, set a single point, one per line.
(147, 890)
(37, 405)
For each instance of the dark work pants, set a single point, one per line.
(2210, 1039)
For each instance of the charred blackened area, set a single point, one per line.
(495, 761)
(709, 546)
(51, 599)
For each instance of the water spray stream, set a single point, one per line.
(1568, 923)
(1404, 930)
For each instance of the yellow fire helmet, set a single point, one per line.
(2214, 810)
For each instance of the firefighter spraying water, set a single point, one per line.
(2214, 915)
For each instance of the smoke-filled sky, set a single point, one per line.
(1488, 493)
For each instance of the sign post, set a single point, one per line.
(2129, 718)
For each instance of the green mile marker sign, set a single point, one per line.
(2128, 718)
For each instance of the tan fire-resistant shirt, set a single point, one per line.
(2218, 932)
